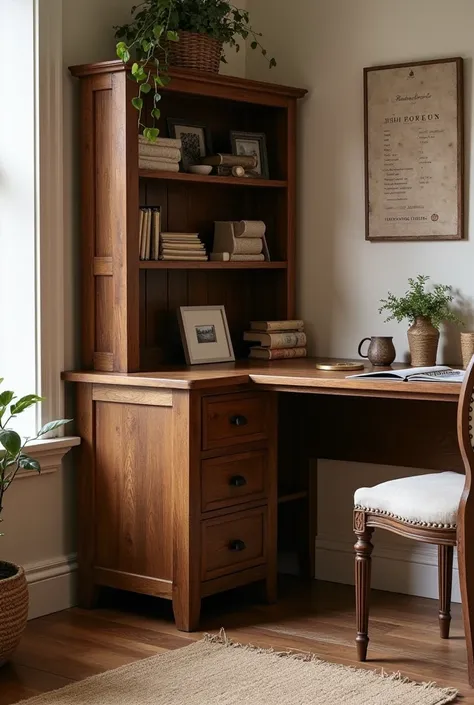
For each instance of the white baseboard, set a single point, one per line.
(409, 570)
(52, 585)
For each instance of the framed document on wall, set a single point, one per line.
(414, 151)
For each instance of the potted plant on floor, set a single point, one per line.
(187, 34)
(13, 459)
(425, 310)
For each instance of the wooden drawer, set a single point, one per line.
(234, 479)
(233, 418)
(233, 542)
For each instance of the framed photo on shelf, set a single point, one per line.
(195, 138)
(252, 144)
(205, 334)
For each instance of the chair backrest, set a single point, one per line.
(465, 417)
(466, 429)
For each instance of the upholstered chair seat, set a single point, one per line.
(428, 500)
(424, 508)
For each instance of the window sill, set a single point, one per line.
(49, 453)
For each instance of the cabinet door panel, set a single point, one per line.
(133, 489)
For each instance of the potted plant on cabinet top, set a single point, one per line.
(425, 310)
(188, 34)
(14, 459)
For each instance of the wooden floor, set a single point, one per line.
(75, 644)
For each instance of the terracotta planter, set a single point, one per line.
(13, 608)
(195, 51)
(423, 340)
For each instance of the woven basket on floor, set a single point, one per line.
(195, 51)
(13, 608)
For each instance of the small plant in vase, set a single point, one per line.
(14, 458)
(188, 34)
(425, 310)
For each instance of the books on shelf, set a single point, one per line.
(239, 240)
(157, 165)
(438, 373)
(260, 353)
(149, 233)
(227, 257)
(282, 339)
(274, 326)
(162, 155)
(277, 340)
(182, 247)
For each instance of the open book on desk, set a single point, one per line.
(439, 373)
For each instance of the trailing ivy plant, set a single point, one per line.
(13, 455)
(434, 305)
(156, 23)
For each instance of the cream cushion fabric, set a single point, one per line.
(431, 499)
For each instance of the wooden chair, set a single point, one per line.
(424, 508)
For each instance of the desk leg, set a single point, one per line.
(465, 535)
(309, 517)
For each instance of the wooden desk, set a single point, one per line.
(179, 491)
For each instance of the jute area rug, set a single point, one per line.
(216, 671)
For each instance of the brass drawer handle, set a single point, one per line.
(237, 545)
(237, 481)
(238, 420)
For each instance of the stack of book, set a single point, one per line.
(241, 241)
(149, 233)
(276, 340)
(182, 247)
(162, 155)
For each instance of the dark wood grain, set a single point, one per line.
(445, 581)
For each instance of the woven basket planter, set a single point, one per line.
(13, 608)
(423, 340)
(195, 51)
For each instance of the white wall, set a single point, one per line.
(323, 45)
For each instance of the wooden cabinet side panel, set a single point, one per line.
(133, 489)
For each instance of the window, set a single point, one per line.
(32, 318)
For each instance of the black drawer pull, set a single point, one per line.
(238, 420)
(237, 545)
(237, 481)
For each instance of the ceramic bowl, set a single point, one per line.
(203, 169)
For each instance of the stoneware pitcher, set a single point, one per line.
(381, 352)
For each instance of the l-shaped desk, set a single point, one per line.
(186, 473)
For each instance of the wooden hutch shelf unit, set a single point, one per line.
(178, 486)
(129, 307)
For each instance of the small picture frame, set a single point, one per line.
(205, 334)
(195, 138)
(252, 144)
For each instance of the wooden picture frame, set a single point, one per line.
(253, 139)
(413, 123)
(207, 326)
(177, 129)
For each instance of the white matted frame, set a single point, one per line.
(205, 334)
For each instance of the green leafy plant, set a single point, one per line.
(13, 455)
(156, 24)
(434, 305)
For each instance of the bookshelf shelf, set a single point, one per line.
(211, 265)
(220, 180)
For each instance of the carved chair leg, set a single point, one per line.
(445, 580)
(363, 549)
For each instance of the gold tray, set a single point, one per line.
(339, 366)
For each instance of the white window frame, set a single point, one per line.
(48, 286)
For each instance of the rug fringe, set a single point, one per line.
(449, 694)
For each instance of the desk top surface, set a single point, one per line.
(282, 375)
